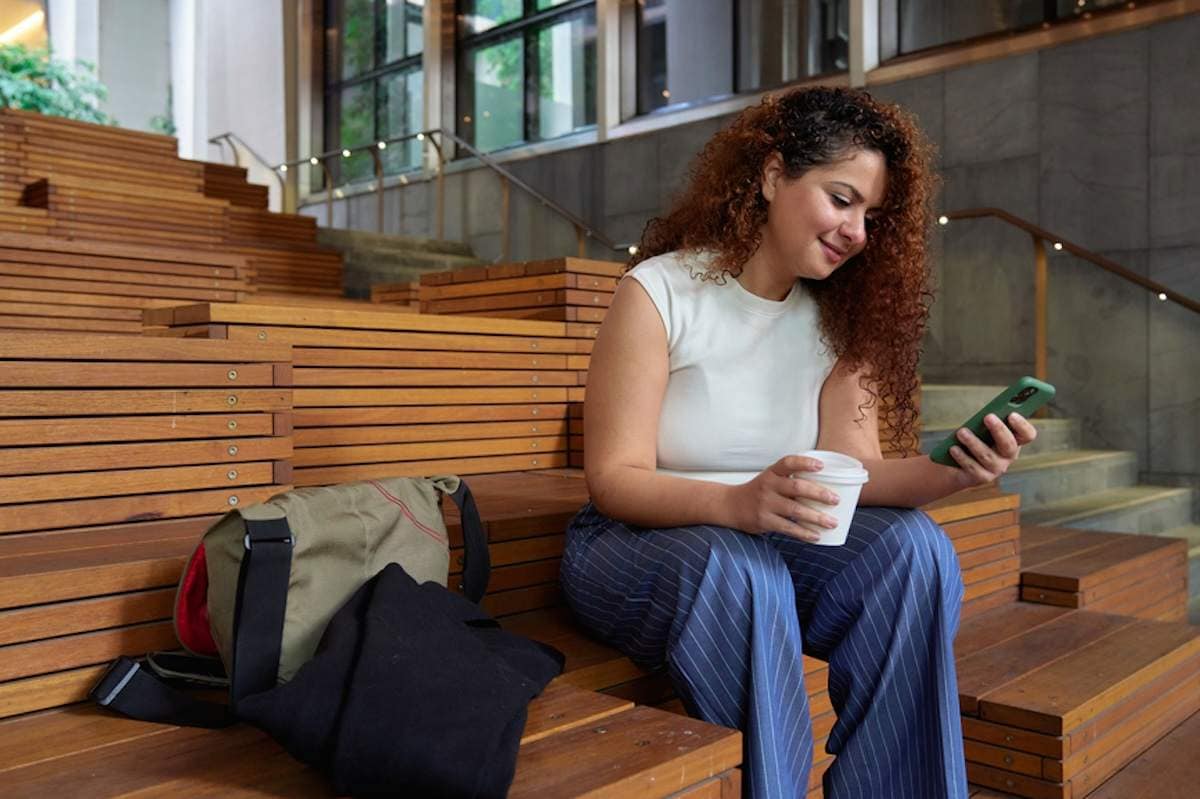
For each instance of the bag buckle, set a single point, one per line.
(286, 539)
(114, 680)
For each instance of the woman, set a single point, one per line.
(776, 307)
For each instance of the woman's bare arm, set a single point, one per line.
(627, 378)
(897, 482)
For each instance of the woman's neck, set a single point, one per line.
(763, 275)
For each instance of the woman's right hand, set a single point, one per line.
(770, 503)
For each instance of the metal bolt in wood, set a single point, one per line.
(231, 399)
(232, 375)
(231, 474)
(233, 450)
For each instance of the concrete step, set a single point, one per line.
(363, 240)
(954, 404)
(1128, 509)
(1190, 533)
(1059, 476)
(1054, 435)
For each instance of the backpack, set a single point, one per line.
(331, 602)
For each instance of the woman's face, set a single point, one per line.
(818, 221)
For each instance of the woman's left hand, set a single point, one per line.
(983, 464)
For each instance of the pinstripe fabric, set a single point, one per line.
(728, 615)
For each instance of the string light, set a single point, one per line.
(633, 250)
(283, 168)
(943, 220)
(420, 137)
(314, 161)
(345, 153)
(1058, 245)
(1162, 297)
(382, 145)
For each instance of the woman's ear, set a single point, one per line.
(771, 175)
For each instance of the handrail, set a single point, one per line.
(583, 230)
(234, 141)
(1041, 277)
(1061, 243)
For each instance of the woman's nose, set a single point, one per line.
(854, 230)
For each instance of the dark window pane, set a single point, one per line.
(400, 114)
(477, 16)
(685, 51)
(929, 23)
(357, 37)
(494, 78)
(357, 128)
(404, 29)
(542, 5)
(778, 42)
(565, 70)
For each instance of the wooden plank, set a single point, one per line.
(1167, 770)
(58, 347)
(39, 488)
(310, 317)
(50, 690)
(643, 752)
(117, 510)
(1000, 625)
(118, 374)
(334, 417)
(1079, 571)
(532, 299)
(93, 458)
(99, 429)
(986, 672)
(331, 377)
(426, 451)
(401, 340)
(405, 434)
(533, 283)
(39, 283)
(135, 401)
(419, 359)
(326, 397)
(47, 736)
(85, 649)
(375, 471)
(65, 618)
(1077, 687)
(562, 707)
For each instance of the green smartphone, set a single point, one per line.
(1024, 397)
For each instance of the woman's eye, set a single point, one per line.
(840, 201)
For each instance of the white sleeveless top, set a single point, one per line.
(745, 372)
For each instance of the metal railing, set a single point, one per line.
(437, 139)
(1041, 273)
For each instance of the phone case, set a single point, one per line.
(1002, 405)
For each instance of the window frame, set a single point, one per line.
(524, 28)
(373, 78)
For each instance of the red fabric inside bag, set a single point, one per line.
(191, 607)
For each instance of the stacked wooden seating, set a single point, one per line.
(1133, 575)
(383, 393)
(110, 211)
(560, 289)
(575, 743)
(115, 452)
(402, 295)
(1055, 701)
(52, 284)
(226, 182)
(94, 182)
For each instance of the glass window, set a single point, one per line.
(526, 70)
(374, 84)
(685, 51)
(921, 24)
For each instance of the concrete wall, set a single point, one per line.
(135, 60)
(1098, 141)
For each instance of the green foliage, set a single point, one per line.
(33, 81)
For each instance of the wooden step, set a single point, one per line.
(1134, 575)
(1056, 700)
(572, 738)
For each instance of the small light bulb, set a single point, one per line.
(943, 220)
(283, 167)
(666, 94)
(338, 193)
(313, 161)
(382, 145)
(1162, 297)
(420, 137)
(633, 250)
(404, 179)
(1058, 245)
(466, 118)
(345, 153)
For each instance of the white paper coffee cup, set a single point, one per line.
(843, 475)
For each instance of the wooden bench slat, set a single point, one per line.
(332, 418)
(118, 374)
(124, 402)
(426, 451)
(67, 618)
(98, 457)
(302, 337)
(466, 378)
(323, 475)
(423, 359)
(40, 488)
(100, 429)
(406, 434)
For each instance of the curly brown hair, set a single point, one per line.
(874, 308)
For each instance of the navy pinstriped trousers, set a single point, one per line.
(728, 615)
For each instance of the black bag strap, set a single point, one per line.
(476, 561)
(262, 589)
(258, 615)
